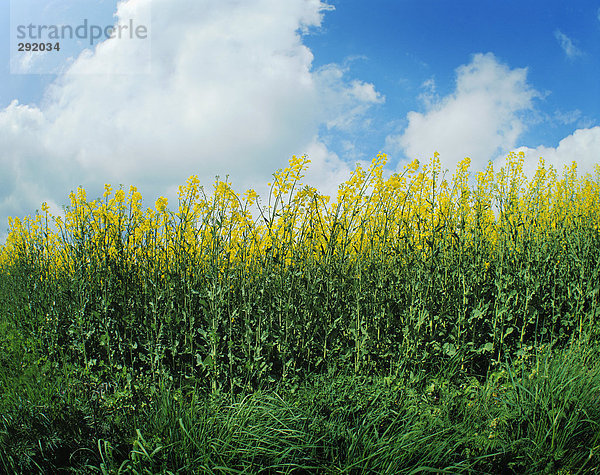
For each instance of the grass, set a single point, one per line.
(538, 417)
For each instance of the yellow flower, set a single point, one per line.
(107, 190)
(161, 204)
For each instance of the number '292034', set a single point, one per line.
(39, 46)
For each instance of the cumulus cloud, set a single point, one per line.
(344, 102)
(481, 119)
(581, 146)
(567, 45)
(231, 91)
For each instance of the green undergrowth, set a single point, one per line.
(539, 414)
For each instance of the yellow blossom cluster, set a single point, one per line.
(408, 212)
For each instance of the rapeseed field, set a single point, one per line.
(417, 321)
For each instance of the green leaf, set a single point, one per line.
(449, 349)
(489, 347)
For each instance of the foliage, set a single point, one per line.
(410, 284)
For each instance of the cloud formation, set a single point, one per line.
(581, 146)
(567, 45)
(232, 91)
(481, 119)
(345, 103)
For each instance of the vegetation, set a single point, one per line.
(412, 324)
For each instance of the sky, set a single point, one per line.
(234, 88)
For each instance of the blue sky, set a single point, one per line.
(235, 88)
(399, 45)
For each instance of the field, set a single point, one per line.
(416, 323)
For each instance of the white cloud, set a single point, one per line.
(567, 45)
(326, 170)
(567, 118)
(24, 63)
(482, 119)
(344, 102)
(429, 95)
(22, 153)
(231, 91)
(581, 146)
